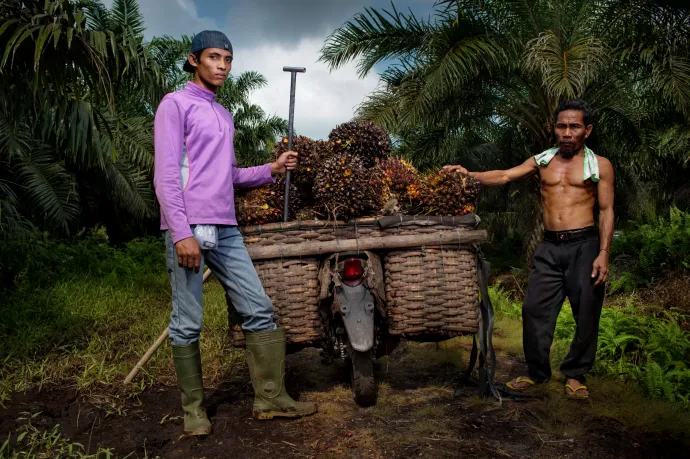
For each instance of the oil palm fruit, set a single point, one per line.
(362, 138)
(448, 193)
(257, 206)
(403, 181)
(311, 154)
(345, 188)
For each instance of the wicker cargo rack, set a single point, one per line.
(429, 290)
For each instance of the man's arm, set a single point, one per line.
(498, 177)
(251, 177)
(605, 198)
(168, 136)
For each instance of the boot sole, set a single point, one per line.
(265, 415)
(197, 434)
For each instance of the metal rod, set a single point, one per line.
(291, 121)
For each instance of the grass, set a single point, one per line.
(88, 328)
(31, 442)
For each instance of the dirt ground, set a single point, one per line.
(416, 416)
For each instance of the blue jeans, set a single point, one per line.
(231, 264)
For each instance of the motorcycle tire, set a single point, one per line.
(363, 380)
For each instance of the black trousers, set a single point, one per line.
(562, 267)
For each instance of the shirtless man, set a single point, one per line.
(573, 258)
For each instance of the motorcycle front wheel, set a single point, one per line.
(363, 379)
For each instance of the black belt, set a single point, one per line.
(570, 235)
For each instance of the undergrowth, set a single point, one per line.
(650, 251)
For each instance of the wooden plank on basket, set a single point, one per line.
(380, 243)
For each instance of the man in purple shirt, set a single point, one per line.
(195, 175)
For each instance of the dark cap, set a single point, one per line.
(207, 39)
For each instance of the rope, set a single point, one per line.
(487, 324)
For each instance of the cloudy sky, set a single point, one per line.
(269, 34)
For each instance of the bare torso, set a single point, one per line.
(568, 201)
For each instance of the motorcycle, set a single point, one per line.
(353, 312)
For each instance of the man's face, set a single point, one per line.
(571, 132)
(213, 66)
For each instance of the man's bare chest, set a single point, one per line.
(565, 175)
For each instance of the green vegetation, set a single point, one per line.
(32, 442)
(83, 313)
(650, 251)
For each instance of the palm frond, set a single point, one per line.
(566, 71)
(130, 189)
(374, 37)
(50, 187)
(98, 16)
(125, 14)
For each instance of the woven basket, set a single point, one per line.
(293, 286)
(432, 292)
(292, 283)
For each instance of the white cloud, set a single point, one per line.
(322, 99)
(169, 17)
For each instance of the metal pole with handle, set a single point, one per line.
(294, 71)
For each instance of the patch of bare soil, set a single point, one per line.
(416, 416)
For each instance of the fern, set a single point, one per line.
(634, 345)
(648, 251)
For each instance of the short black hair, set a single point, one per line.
(574, 104)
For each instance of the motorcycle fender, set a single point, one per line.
(356, 306)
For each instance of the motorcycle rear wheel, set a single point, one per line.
(363, 380)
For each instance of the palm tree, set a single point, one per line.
(477, 84)
(61, 133)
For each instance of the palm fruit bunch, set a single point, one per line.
(257, 206)
(362, 138)
(311, 153)
(345, 188)
(447, 192)
(402, 180)
(278, 194)
(263, 205)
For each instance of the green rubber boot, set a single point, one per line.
(188, 368)
(266, 360)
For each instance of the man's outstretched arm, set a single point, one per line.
(493, 178)
(600, 270)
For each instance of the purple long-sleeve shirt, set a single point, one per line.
(195, 171)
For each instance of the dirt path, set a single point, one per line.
(416, 416)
